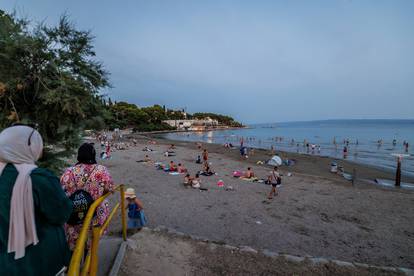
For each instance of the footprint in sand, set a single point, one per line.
(325, 218)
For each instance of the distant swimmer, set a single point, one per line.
(406, 147)
(379, 143)
(394, 142)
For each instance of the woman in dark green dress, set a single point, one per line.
(33, 208)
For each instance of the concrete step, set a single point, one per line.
(108, 249)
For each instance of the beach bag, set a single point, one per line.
(237, 174)
(279, 180)
(139, 215)
(81, 202)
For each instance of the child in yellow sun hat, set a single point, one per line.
(136, 217)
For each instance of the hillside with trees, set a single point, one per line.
(222, 119)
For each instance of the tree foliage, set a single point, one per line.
(49, 76)
(125, 115)
(222, 119)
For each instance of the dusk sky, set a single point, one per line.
(258, 61)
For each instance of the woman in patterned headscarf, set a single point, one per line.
(33, 208)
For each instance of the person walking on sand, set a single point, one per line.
(275, 181)
(84, 183)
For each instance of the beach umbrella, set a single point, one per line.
(275, 161)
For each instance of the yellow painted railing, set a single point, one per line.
(90, 264)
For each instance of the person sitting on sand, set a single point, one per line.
(173, 167)
(207, 170)
(248, 174)
(188, 180)
(196, 182)
(147, 149)
(181, 168)
(171, 147)
(198, 161)
(147, 159)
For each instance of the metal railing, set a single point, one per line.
(90, 263)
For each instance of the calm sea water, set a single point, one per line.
(363, 136)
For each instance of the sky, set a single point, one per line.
(258, 61)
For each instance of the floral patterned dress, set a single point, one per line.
(96, 180)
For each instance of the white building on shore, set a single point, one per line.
(195, 124)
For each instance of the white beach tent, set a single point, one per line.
(275, 161)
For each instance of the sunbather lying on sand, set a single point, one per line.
(145, 160)
(248, 174)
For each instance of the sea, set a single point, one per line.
(371, 142)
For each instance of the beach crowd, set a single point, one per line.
(41, 214)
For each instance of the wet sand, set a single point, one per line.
(316, 213)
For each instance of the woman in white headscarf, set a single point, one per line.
(33, 208)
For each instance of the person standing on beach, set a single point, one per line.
(87, 180)
(345, 152)
(33, 208)
(406, 147)
(205, 155)
(275, 180)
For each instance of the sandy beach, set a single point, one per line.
(316, 213)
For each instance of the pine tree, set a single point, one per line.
(49, 76)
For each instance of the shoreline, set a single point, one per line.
(155, 132)
(364, 171)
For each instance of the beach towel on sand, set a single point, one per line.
(237, 173)
(252, 179)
